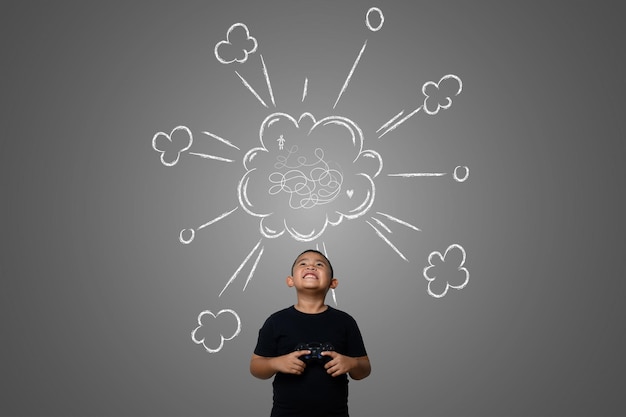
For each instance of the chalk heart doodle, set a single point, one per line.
(209, 332)
(307, 174)
(446, 271)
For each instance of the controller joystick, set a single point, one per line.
(316, 350)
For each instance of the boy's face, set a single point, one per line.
(311, 271)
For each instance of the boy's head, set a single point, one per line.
(312, 271)
(330, 267)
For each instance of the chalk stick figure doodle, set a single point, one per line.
(281, 142)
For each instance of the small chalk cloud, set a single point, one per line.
(237, 46)
(214, 329)
(307, 175)
(439, 95)
(171, 145)
(446, 271)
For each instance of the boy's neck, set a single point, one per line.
(310, 306)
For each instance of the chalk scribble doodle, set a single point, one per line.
(308, 183)
(308, 174)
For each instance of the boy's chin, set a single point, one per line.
(313, 287)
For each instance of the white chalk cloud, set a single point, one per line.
(209, 332)
(307, 175)
(171, 145)
(446, 271)
(237, 46)
(439, 95)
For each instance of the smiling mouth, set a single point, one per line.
(309, 276)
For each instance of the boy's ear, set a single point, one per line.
(333, 283)
(289, 281)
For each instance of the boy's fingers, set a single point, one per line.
(334, 371)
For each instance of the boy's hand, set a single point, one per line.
(339, 364)
(291, 363)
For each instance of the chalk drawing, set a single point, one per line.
(418, 174)
(460, 174)
(307, 183)
(180, 140)
(267, 80)
(200, 336)
(171, 145)
(229, 51)
(464, 176)
(368, 22)
(402, 222)
(252, 90)
(388, 230)
(446, 271)
(306, 174)
(387, 241)
(227, 142)
(306, 87)
(325, 252)
(281, 142)
(192, 232)
(304, 177)
(381, 17)
(441, 92)
(236, 48)
(345, 84)
(232, 278)
(437, 96)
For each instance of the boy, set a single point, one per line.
(317, 387)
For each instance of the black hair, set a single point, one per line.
(332, 274)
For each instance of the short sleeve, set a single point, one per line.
(356, 347)
(266, 343)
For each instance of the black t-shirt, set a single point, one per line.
(314, 392)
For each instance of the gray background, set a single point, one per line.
(98, 296)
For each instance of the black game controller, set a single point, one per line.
(316, 350)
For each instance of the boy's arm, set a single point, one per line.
(362, 369)
(261, 367)
(264, 367)
(357, 367)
